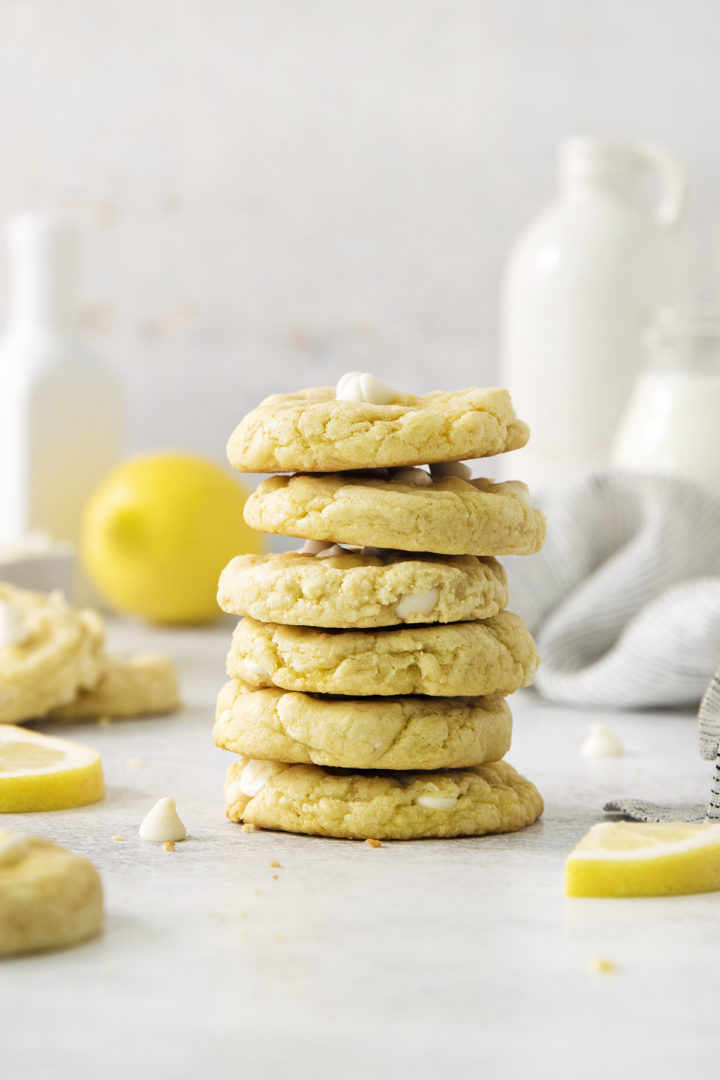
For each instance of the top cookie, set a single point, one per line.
(311, 431)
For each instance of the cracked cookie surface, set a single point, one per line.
(362, 733)
(50, 898)
(142, 684)
(496, 655)
(393, 806)
(311, 431)
(449, 516)
(357, 590)
(60, 654)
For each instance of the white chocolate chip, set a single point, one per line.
(314, 547)
(13, 848)
(435, 802)
(361, 386)
(415, 477)
(255, 669)
(450, 468)
(162, 823)
(601, 742)
(329, 552)
(417, 604)
(13, 629)
(256, 774)
(226, 716)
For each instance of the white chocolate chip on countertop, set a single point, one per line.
(162, 823)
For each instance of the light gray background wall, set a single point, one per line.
(281, 190)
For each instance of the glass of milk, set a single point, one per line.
(672, 422)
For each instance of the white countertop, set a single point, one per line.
(418, 959)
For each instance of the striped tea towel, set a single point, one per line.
(624, 599)
(709, 718)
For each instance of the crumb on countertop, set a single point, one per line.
(602, 966)
(256, 891)
(276, 877)
(247, 827)
(273, 862)
(117, 836)
(372, 842)
(169, 845)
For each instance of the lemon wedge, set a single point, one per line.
(39, 772)
(627, 858)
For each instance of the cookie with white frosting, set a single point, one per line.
(362, 733)
(409, 510)
(494, 656)
(325, 585)
(50, 898)
(392, 805)
(49, 652)
(363, 423)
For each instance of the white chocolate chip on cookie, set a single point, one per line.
(435, 802)
(359, 386)
(417, 603)
(256, 774)
(13, 628)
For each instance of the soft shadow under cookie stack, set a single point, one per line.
(369, 674)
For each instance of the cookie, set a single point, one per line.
(394, 806)
(362, 590)
(362, 733)
(50, 651)
(458, 659)
(312, 431)
(49, 897)
(447, 516)
(142, 685)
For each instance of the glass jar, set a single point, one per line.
(672, 422)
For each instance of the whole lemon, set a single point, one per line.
(157, 533)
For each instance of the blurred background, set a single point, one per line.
(278, 191)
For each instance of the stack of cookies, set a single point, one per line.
(370, 670)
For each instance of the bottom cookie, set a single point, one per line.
(49, 897)
(391, 806)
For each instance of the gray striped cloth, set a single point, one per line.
(624, 599)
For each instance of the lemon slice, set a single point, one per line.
(627, 858)
(39, 772)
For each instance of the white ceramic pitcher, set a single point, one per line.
(580, 286)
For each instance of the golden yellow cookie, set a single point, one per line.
(140, 685)
(57, 651)
(450, 516)
(494, 656)
(311, 431)
(362, 733)
(49, 897)
(394, 806)
(362, 590)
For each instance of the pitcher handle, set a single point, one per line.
(672, 181)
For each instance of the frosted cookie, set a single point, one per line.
(313, 431)
(469, 659)
(49, 897)
(48, 652)
(412, 512)
(141, 685)
(393, 806)
(338, 588)
(362, 733)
